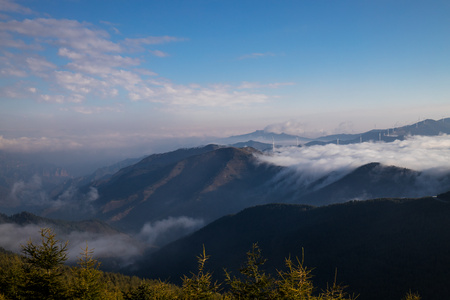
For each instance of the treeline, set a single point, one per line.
(39, 273)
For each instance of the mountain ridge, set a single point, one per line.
(380, 247)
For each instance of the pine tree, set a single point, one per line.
(11, 275)
(87, 283)
(42, 267)
(335, 292)
(295, 283)
(255, 283)
(412, 296)
(199, 286)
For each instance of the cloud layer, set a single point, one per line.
(421, 153)
(104, 246)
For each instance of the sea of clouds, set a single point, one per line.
(427, 154)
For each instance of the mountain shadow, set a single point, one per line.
(380, 248)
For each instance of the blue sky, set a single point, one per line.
(110, 74)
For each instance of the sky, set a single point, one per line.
(126, 76)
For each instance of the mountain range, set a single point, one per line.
(208, 182)
(426, 127)
(228, 197)
(379, 248)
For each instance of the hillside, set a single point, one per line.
(375, 180)
(380, 248)
(209, 182)
(207, 185)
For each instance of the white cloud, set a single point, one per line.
(136, 44)
(39, 64)
(73, 98)
(66, 33)
(194, 95)
(420, 153)
(159, 53)
(10, 6)
(120, 246)
(293, 127)
(94, 65)
(161, 232)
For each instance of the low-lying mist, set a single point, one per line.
(30, 195)
(118, 246)
(306, 165)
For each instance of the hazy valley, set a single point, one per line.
(154, 213)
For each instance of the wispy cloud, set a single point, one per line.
(293, 127)
(163, 231)
(159, 53)
(10, 6)
(96, 65)
(257, 85)
(256, 55)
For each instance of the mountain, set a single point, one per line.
(97, 176)
(426, 128)
(254, 144)
(203, 183)
(380, 248)
(374, 180)
(61, 226)
(264, 137)
(208, 182)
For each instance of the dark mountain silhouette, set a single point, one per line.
(204, 183)
(380, 248)
(374, 180)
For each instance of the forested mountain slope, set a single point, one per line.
(380, 248)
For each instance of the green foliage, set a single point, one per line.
(412, 296)
(87, 283)
(11, 275)
(40, 274)
(48, 256)
(295, 283)
(157, 290)
(43, 267)
(199, 286)
(255, 284)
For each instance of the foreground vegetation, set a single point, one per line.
(40, 273)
